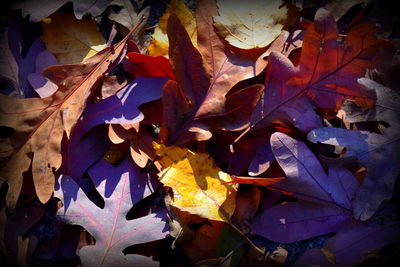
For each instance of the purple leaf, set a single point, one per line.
(351, 241)
(261, 160)
(39, 83)
(79, 154)
(113, 233)
(372, 150)
(24, 66)
(324, 201)
(122, 108)
(40, 9)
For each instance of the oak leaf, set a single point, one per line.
(121, 187)
(198, 185)
(39, 124)
(71, 40)
(372, 149)
(326, 74)
(324, 199)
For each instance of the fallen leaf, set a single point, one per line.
(82, 150)
(159, 46)
(18, 225)
(352, 241)
(261, 160)
(202, 103)
(326, 74)
(38, 142)
(40, 9)
(224, 68)
(148, 66)
(39, 83)
(112, 85)
(71, 40)
(123, 107)
(336, 7)
(121, 187)
(128, 15)
(255, 180)
(371, 149)
(247, 202)
(141, 147)
(324, 200)
(14, 67)
(197, 184)
(252, 26)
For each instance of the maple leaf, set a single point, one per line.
(159, 45)
(39, 124)
(372, 149)
(121, 187)
(251, 26)
(326, 74)
(197, 184)
(72, 40)
(324, 200)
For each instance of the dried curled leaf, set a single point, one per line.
(198, 185)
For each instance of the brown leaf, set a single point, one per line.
(39, 124)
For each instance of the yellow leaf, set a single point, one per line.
(71, 40)
(159, 44)
(198, 185)
(250, 25)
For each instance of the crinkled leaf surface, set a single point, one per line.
(198, 185)
(326, 74)
(252, 25)
(373, 150)
(121, 187)
(324, 200)
(72, 40)
(39, 124)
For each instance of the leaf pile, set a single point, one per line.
(238, 127)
